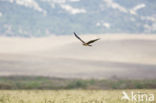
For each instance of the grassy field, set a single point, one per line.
(69, 96)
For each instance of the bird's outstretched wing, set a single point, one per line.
(92, 41)
(78, 38)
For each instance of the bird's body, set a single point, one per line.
(85, 43)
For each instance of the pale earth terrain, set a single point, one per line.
(117, 55)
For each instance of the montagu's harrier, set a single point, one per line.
(85, 43)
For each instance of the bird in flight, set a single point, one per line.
(85, 43)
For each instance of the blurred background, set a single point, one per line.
(26, 18)
(38, 48)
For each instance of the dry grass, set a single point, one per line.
(66, 96)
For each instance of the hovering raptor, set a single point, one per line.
(85, 43)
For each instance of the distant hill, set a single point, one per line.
(28, 18)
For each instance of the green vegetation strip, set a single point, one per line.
(33, 82)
